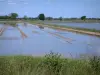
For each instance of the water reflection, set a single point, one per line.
(47, 40)
(78, 25)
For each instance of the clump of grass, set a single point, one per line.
(12, 24)
(95, 64)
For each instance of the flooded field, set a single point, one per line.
(78, 25)
(37, 41)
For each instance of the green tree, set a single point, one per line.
(41, 17)
(60, 18)
(49, 18)
(83, 18)
(13, 15)
(25, 17)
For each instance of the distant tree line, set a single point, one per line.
(10, 16)
(43, 17)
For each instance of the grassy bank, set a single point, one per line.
(51, 64)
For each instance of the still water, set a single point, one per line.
(78, 25)
(41, 41)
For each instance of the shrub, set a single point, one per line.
(51, 64)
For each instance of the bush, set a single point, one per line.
(51, 64)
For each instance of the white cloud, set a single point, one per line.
(8, 1)
(11, 3)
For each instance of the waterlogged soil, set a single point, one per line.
(37, 41)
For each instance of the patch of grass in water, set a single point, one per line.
(14, 24)
(11, 23)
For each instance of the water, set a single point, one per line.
(78, 25)
(42, 41)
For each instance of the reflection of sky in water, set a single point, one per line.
(43, 42)
(79, 25)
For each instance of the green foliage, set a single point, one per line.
(83, 18)
(25, 17)
(49, 18)
(95, 64)
(51, 64)
(4, 17)
(10, 23)
(60, 18)
(13, 15)
(18, 65)
(41, 17)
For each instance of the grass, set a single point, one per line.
(12, 23)
(9, 23)
(50, 64)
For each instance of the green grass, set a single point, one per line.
(12, 23)
(50, 64)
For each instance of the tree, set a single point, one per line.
(60, 18)
(48, 18)
(41, 17)
(13, 15)
(83, 18)
(25, 17)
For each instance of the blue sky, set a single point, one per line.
(53, 8)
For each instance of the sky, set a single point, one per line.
(53, 8)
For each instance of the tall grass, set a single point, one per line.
(50, 64)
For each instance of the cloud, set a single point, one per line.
(11, 3)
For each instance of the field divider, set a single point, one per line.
(3, 29)
(69, 40)
(64, 38)
(22, 33)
